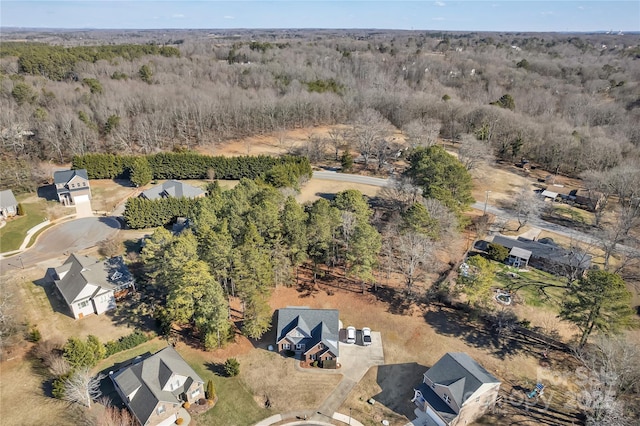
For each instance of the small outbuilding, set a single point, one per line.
(519, 257)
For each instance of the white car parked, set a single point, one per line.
(351, 334)
(366, 336)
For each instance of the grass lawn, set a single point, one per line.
(152, 346)
(528, 285)
(13, 233)
(235, 406)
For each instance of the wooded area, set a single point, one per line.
(568, 102)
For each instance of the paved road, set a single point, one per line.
(63, 238)
(536, 222)
(345, 177)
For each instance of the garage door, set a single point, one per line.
(83, 206)
(168, 422)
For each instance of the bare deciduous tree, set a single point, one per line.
(473, 152)
(82, 387)
(421, 133)
(526, 206)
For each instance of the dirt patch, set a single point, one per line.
(107, 194)
(317, 188)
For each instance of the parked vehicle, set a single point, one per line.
(366, 336)
(351, 334)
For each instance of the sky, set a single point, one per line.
(470, 15)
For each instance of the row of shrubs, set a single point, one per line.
(279, 171)
(126, 342)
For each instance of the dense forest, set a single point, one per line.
(568, 102)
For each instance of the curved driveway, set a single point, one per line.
(62, 239)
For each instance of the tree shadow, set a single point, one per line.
(476, 332)
(397, 382)
(397, 301)
(111, 222)
(326, 195)
(216, 368)
(48, 192)
(268, 338)
(53, 295)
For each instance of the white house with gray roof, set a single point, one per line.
(311, 334)
(154, 388)
(90, 286)
(172, 189)
(455, 391)
(8, 204)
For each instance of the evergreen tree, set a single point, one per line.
(600, 301)
(141, 173)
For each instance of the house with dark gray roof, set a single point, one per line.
(8, 204)
(455, 391)
(154, 388)
(547, 255)
(72, 186)
(172, 189)
(310, 334)
(91, 286)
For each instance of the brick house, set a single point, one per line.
(310, 334)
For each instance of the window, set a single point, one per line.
(160, 410)
(286, 346)
(446, 398)
(320, 345)
(329, 358)
(312, 357)
(195, 393)
(433, 385)
(299, 346)
(83, 304)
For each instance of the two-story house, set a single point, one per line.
(455, 391)
(72, 186)
(90, 286)
(154, 388)
(310, 334)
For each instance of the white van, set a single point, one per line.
(351, 334)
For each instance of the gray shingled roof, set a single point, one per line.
(64, 176)
(84, 270)
(461, 374)
(443, 409)
(172, 188)
(7, 199)
(551, 252)
(149, 376)
(322, 325)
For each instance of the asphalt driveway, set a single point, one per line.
(61, 240)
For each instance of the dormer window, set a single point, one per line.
(446, 398)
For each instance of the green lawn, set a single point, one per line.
(152, 346)
(528, 283)
(13, 233)
(235, 406)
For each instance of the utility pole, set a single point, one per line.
(486, 198)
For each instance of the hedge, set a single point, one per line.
(126, 342)
(279, 171)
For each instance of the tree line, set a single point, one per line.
(565, 102)
(279, 171)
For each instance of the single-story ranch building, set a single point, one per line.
(545, 256)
